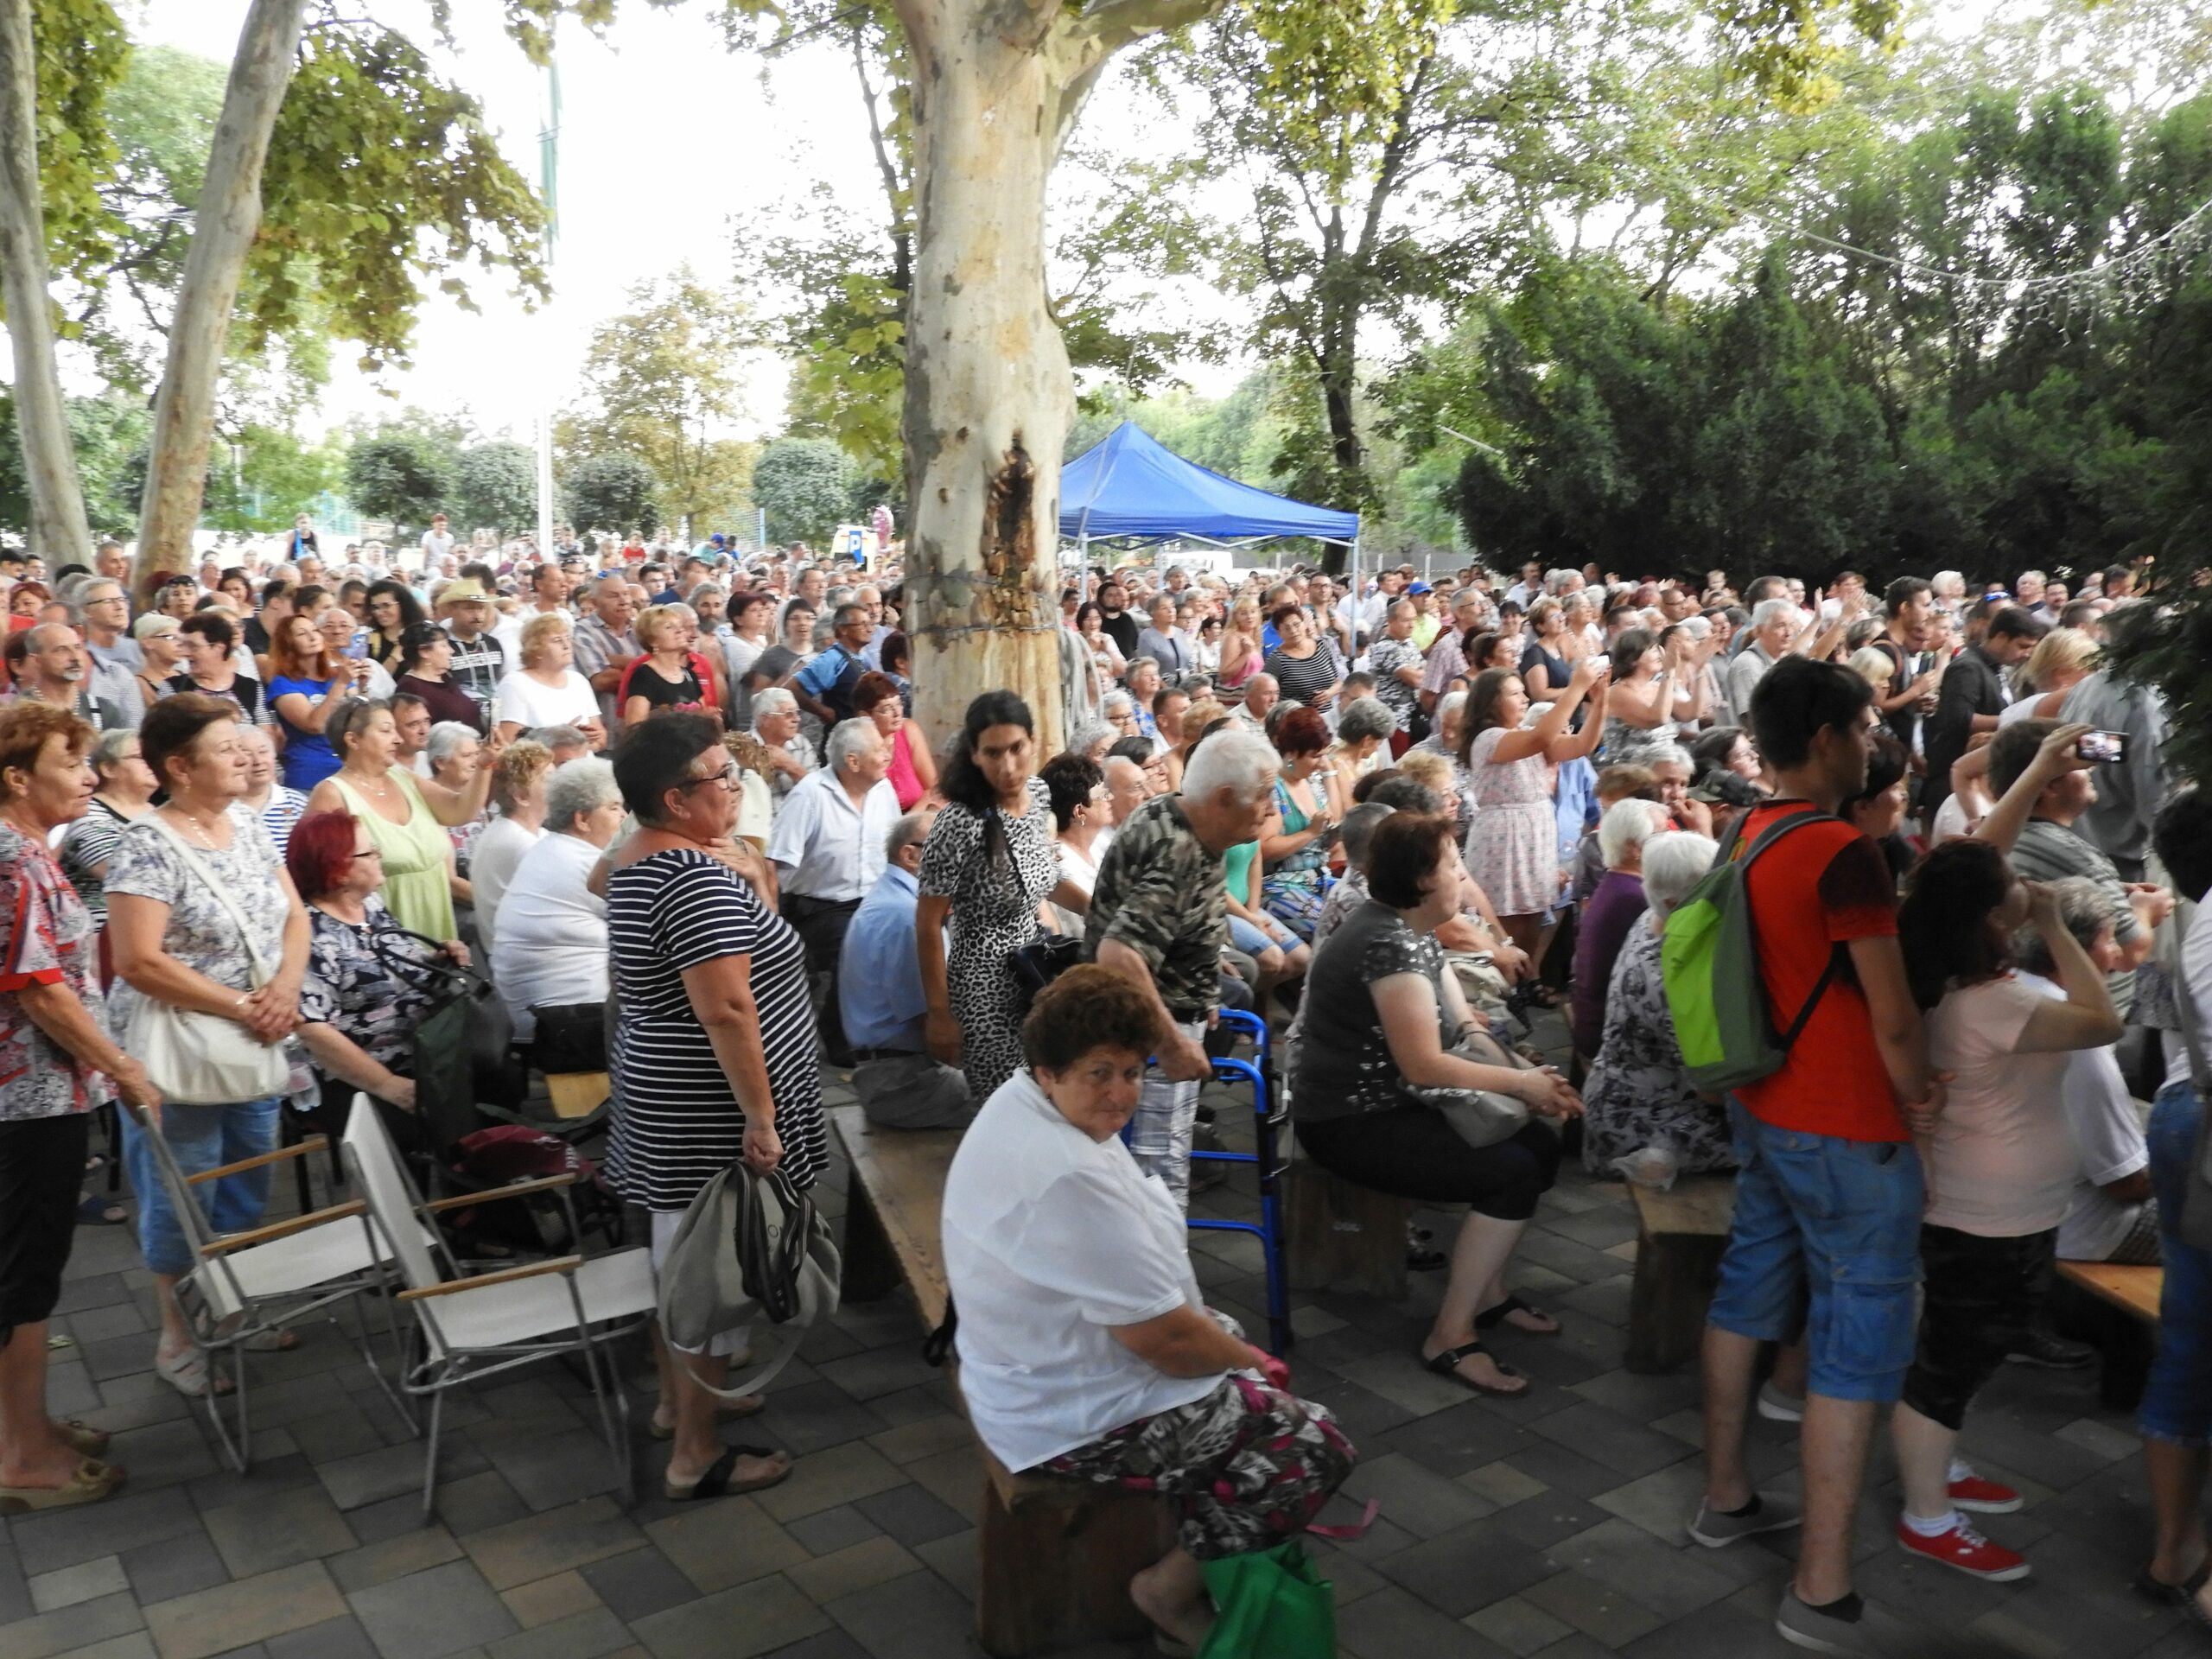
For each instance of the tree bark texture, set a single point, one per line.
(997, 85)
(59, 531)
(225, 223)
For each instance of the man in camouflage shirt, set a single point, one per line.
(1156, 916)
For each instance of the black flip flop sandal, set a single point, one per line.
(1491, 1319)
(716, 1482)
(2182, 1596)
(1447, 1365)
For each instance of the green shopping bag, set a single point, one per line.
(1272, 1606)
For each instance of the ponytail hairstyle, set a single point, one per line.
(963, 783)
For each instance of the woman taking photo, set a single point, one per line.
(1304, 664)
(1657, 692)
(1513, 844)
(1383, 1016)
(209, 642)
(404, 814)
(306, 685)
(989, 864)
(664, 680)
(518, 822)
(912, 773)
(546, 690)
(391, 610)
(1086, 1348)
(426, 671)
(62, 1063)
(369, 982)
(338, 638)
(202, 918)
(1309, 801)
(1105, 655)
(123, 793)
(2000, 1164)
(715, 1058)
(161, 643)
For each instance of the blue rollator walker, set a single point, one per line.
(1268, 1118)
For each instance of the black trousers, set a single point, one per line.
(821, 924)
(41, 1171)
(1980, 1296)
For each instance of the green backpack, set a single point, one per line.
(1709, 959)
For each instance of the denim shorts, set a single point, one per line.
(1832, 1227)
(1246, 936)
(2177, 1397)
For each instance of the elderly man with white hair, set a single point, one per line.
(827, 845)
(1157, 918)
(1774, 627)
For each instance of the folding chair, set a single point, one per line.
(1268, 1123)
(479, 1325)
(267, 1279)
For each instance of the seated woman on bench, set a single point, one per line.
(1382, 1013)
(1086, 1349)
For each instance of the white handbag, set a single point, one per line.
(206, 1060)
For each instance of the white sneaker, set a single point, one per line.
(1779, 1407)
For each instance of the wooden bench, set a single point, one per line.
(577, 1094)
(2116, 1309)
(1343, 1237)
(1681, 1234)
(1057, 1555)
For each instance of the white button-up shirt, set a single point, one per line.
(826, 848)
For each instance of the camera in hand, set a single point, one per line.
(2103, 747)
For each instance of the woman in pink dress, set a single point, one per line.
(912, 772)
(1513, 844)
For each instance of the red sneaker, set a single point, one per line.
(1967, 1551)
(1986, 1497)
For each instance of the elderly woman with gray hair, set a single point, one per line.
(549, 951)
(123, 793)
(776, 724)
(1638, 1093)
(1365, 728)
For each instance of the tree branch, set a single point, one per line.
(1104, 27)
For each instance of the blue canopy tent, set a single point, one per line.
(1129, 486)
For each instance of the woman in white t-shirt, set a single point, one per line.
(2000, 1162)
(546, 690)
(1086, 1347)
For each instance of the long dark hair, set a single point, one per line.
(962, 782)
(1481, 714)
(1946, 924)
(411, 608)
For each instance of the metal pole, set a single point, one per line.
(548, 176)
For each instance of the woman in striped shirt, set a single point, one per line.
(716, 1057)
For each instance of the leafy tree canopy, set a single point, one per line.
(805, 486)
(616, 492)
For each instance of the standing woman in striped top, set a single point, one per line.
(714, 1056)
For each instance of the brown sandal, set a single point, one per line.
(82, 1437)
(93, 1481)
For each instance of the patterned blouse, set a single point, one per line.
(46, 938)
(358, 982)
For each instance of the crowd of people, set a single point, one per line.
(672, 801)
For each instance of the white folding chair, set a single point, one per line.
(268, 1279)
(478, 1326)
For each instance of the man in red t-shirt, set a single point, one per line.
(1829, 1197)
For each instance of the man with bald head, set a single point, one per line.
(1261, 693)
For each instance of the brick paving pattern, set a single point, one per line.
(1549, 1525)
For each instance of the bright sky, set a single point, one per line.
(664, 135)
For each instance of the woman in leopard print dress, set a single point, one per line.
(989, 863)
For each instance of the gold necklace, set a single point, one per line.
(207, 835)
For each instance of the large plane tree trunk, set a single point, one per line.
(59, 531)
(996, 89)
(223, 228)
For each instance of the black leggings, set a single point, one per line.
(41, 1172)
(1980, 1296)
(1412, 1151)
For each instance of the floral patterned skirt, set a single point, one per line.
(1247, 1466)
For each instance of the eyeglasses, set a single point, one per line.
(370, 852)
(728, 778)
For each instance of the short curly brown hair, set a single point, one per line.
(26, 728)
(1086, 1007)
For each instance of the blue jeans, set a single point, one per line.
(1834, 1223)
(2177, 1397)
(201, 1137)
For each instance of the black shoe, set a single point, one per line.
(2056, 1353)
(1419, 1257)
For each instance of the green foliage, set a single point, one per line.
(805, 486)
(614, 493)
(661, 384)
(380, 175)
(108, 435)
(81, 52)
(402, 475)
(259, 479)
(495, 485)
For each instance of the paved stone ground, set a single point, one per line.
(1546, 1525)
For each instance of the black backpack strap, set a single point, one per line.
(1820, 989)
